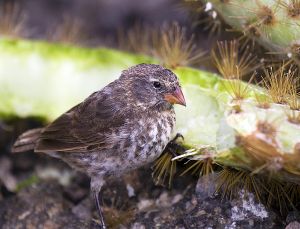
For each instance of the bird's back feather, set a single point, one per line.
(86, 127)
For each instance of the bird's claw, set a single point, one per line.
(177, 136)
(173, 147)
(98, 224)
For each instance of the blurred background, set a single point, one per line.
(113, 23)
(100, 20)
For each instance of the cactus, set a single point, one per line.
(272, 23)
(227, 124)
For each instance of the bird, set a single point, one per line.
(121, 127)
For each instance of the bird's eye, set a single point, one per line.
(157, 84)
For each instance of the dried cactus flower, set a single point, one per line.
(164, 168)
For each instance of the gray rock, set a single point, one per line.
(243, 211)
(40, 207)
(45, 206)
(206, 186)
(293, 225)
(293, 216)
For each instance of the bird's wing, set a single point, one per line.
(87, 126)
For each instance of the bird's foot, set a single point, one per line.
(96, 223)
(173, 147)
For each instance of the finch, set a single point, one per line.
(121, 127)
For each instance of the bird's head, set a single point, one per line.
(152, 85)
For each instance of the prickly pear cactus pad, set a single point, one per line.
(227, 122)
(43, 79)
(274, 24)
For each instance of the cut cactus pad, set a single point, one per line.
(45, 80)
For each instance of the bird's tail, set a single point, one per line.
(26, 141)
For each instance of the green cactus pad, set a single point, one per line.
(45, 80)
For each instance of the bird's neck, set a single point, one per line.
(158, 107)
(163, 106)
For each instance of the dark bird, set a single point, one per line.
(124, 126)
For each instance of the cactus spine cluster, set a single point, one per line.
(275, 24)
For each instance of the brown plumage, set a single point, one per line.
(121, 127)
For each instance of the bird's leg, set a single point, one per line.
(173, 147)
(97, 183)
(96, 196)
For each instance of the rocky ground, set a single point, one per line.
(50, 195)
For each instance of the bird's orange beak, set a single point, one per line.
(175, 97)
